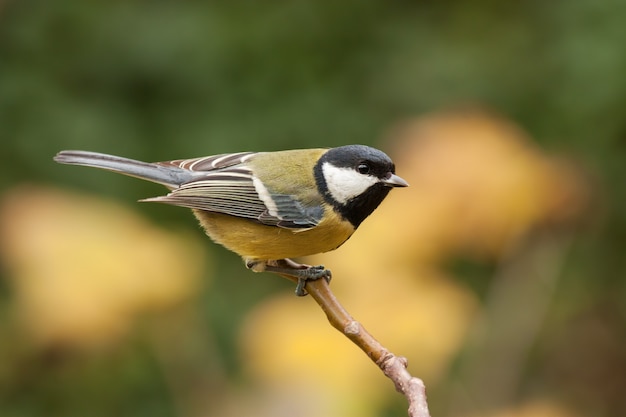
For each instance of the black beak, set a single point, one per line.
(394, 181)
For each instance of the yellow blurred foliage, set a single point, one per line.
(83, 268)
(477, 186)
(477, 183)
(288, 343)
(537, 408)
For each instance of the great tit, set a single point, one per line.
(269, 207)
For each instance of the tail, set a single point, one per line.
(167, 175)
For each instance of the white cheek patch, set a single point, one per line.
(345, 183)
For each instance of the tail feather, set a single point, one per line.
(169, 176)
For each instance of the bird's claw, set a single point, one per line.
(312, 273)
(301, 272)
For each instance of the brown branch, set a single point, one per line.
(394, 367)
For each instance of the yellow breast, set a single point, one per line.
(254, 241)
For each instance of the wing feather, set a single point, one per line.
(225, 184)
(211, 163)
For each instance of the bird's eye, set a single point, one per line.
(363, 169)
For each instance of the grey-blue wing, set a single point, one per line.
(225, 184)
(291, 213)
(211, 163)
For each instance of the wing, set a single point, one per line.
(226, 184)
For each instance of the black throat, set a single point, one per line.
(358, 208)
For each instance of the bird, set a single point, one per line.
(269, 207)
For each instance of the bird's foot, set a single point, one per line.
(301, 272)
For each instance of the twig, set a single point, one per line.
(394, 367)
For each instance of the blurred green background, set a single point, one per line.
(157, 80)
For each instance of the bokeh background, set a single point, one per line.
(499, 274)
